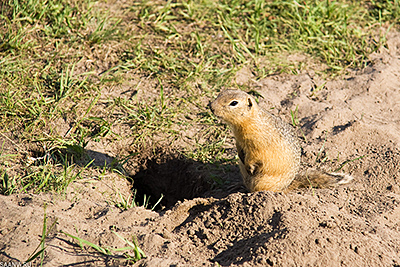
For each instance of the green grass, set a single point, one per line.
(131, 201)
(107, 251)
(40, 249)
(139, 76)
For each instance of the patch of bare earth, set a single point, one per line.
(354, 119)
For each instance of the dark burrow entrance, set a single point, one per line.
(177, 178)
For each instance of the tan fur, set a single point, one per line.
(269, 152)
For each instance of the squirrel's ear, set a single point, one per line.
(249, 102)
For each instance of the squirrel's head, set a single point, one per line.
(234, 106)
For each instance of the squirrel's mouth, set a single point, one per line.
(216, 114)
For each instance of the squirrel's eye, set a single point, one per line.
(233, 103)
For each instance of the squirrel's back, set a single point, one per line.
(268, 149)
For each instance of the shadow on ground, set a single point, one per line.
(177, 178)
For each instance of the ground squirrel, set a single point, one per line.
(269, 151)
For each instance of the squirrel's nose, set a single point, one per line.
(210, 107)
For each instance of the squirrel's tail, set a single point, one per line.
(319, 179)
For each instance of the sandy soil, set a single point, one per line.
(353, 119)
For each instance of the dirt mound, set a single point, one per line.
(291, 230)
(349, 124)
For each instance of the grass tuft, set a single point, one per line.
(40, 249)
(138, 253)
